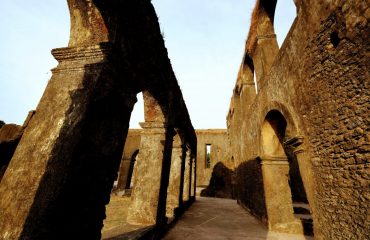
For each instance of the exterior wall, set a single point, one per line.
(219, 152)
(319, 82)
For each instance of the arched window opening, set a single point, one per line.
(285, 14)
(208, 156)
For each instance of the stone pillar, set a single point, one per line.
(278, 198)
(235, 127)
(195, 175)
(264, 56)
(192, 179)
(123, 174)
(148, 171)
(173, 190)
(187, 177)
(62, 172)
(266, 48)
(182, 174)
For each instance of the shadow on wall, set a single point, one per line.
(10, 135)
(252, 195)
(221, 184)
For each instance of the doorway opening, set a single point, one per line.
(282, 174)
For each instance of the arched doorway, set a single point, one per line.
(285, 196)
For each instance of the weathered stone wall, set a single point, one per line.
(319, 82)
(219, 152)
(335, 103)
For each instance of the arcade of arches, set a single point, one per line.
(295, 154)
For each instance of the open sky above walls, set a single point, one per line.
(205, 41)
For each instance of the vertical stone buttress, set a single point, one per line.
(266, 46)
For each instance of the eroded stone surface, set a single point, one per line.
(318, 82)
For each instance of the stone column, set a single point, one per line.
(278, 198)
(192, 179)
(148, 171)
(123, 174)
(173, 191)
(187, 177)
(264, 56)
(62, 172)
(195, 174)
(235, 126)
(182, 174)
(266, 48)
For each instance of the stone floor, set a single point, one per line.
(222, 219)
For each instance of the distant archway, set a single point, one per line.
(129, 182)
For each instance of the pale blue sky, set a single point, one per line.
(205, 41)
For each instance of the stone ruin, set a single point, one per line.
(297, 128)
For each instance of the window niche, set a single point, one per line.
(208, 156)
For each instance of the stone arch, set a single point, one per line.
(73, 144)
(292, 127)
(281, 172)
(275, 172)
(273, 134)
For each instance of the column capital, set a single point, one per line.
(76, 58)
(151, 125)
